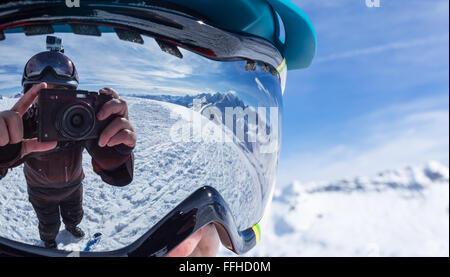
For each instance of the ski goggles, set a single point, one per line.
(60, 64)
(206, 105)
(51, 67)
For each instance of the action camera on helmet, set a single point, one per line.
(70, 115)
(54, 44)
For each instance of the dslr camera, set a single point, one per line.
(70, 115)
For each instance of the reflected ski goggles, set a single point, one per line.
(207, 112)
(60, 64)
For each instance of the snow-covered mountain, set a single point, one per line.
(395, 213)
(219, 100)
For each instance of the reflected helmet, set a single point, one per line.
(52, 67)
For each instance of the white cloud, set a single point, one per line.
(383, 48)
(390, 138)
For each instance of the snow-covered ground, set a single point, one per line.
(396, 213)
(401, 212)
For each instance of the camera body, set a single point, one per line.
(70, 115)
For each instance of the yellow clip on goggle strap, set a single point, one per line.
(257, 232)
(282, 66)
(282, 71)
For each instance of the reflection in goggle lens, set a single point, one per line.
(62, 65)
(194, 128)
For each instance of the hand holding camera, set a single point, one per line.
(11, 127)
(119, 130)
(75, 115)
(68, 115)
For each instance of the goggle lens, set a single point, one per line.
(61, 64)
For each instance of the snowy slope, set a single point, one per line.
(397, 213)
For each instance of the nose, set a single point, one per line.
(203, 243)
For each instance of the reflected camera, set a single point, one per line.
(54, 44)
(70, 115)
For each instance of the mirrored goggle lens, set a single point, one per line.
(61, 64)
(198, 122)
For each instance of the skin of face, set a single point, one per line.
(204, 243)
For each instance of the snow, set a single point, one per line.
(401, 212)
(396, 213)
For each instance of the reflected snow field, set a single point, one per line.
(162, 167)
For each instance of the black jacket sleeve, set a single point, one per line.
(115, 165)
(10, 157)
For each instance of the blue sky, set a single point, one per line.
(377, 94)
(376, 97)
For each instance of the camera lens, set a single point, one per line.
(77, 121)
(51, 39)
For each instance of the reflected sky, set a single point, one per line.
(131, 68)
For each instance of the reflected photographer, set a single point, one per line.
(48, 133)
